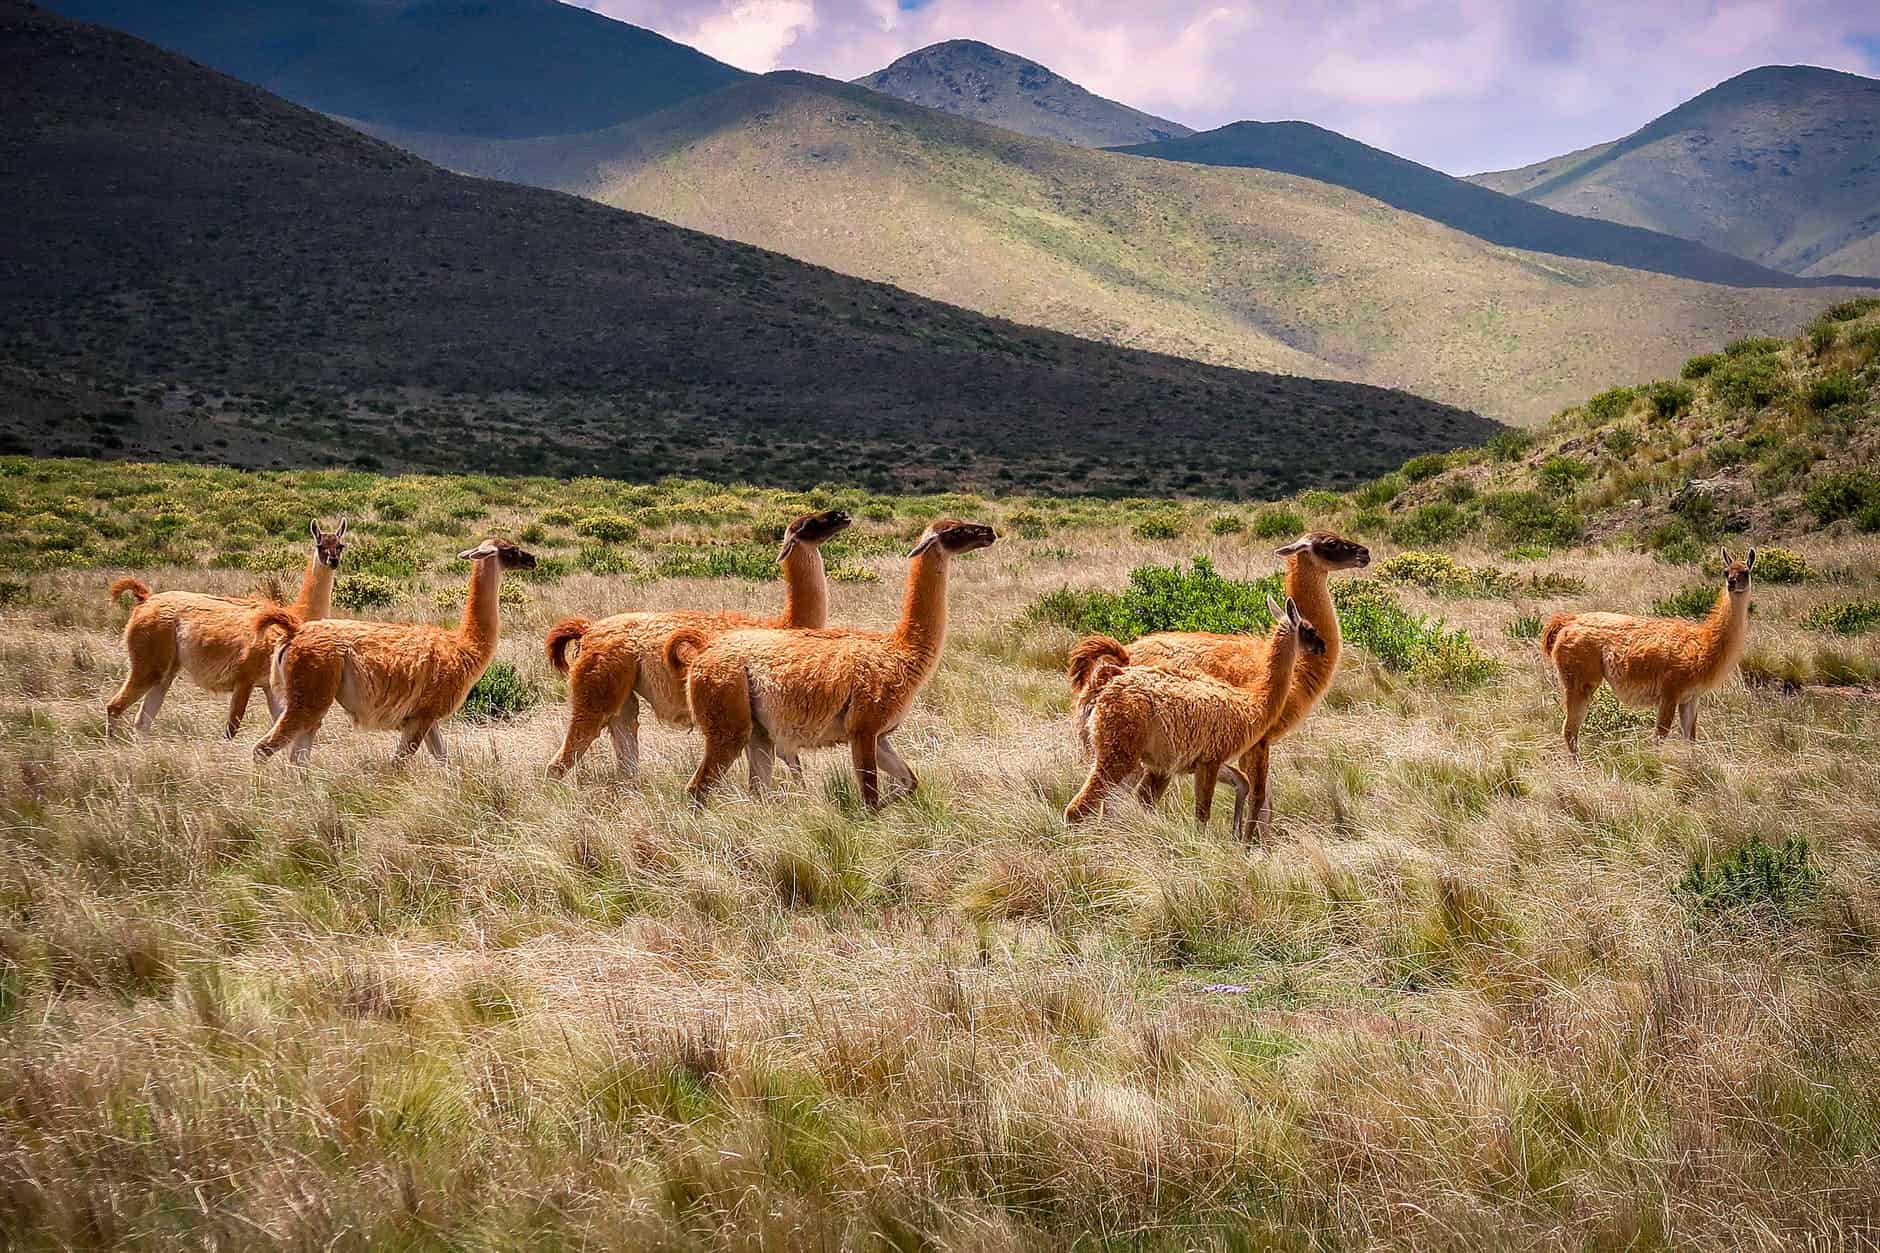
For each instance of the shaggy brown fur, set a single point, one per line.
(221, 642)
(1242, 659)
(1666, 662)
(770, 692)
(399, 676)
(622, 660)
(1162, 722)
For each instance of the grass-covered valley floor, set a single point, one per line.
(1469, 993)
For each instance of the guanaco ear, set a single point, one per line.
(1750, 562)
(926, 541)
(1297, 546)
(341, 533)
(1728, 560)
(1292, 611)
(313, 527)
(789, 546)
(1272, 607)
(486, 549)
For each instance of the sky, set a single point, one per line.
(1463, 85)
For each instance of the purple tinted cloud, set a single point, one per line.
(1463, 85)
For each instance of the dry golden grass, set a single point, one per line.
(1456, 1002)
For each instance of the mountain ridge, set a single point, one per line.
(988, 84)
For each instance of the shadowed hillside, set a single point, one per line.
(1245, 268)
(1780, 164)
(193, 267)
(988, 84)
(1314, 152)
(472, 67)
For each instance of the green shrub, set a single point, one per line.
(1776, 564)
(1426, 466)
(1437, 523)
(1609, 404)
(1560, 473)
(387, 557)
(1837, 387)
(1373, 619)
(1164, 525)
(1442, 575)
(1847, 617)
(1459, 491)
(1379, 491)
(1670, 398)
(1753, 346)
(1701, 366)
(1509, 445)
(1749, 381)
(1533, 518)
(1694, 601)
(1165, 598)
(1227, 524)
(501, 694)
(561, 515)
(1848, 310)
(364, 591)
(596, 560)
(1620, 442)
(1278, 523)
(1526, 626)
(1028, 524)
(1843, 494)
(390, 508)
(1755, 876)
(13, 593)
(719, 561)
(607, 528)
(1822, 335)
(1551, 583)
(1318, 500)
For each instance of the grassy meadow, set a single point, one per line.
(1469, 992)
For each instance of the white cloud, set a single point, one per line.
(1459, 84)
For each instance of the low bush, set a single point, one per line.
(1694, 601)
(1609, 404)
(1560, 473)
(1753, 346)
(1278, 523)
(1442, 575)
(1440, 522)
(1379, 491)
(1028, 524)
(756, 562)
(1701, 366)
(1846, 617)
(1164, 525)
(1776, 564)
(1848, 310)
(1426, 466)
(607, 528)
(1526, 626)
(1749, 381)
(1670, 398)
(1533, 518)
(1837, 387)
(1226, 524)
(364, 591)
(1843, 494)
(502, 693)
(1509, 445)
(1755, 876)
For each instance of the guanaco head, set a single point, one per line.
(813, 529)
(954, 536)
(1328, 551)
(506, 554)
(1736, 573)
(1310, 641)
(327, 545)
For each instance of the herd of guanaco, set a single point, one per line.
(1171, 703)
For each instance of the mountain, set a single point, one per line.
(189, 266)
(1780, 164)
(1001, 88)
(464, 67)
(1237, 267)
(1314, 152)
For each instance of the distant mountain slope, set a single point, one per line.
(1233, 266)
(180, 252)
(471, 67)
(1001, 88)
(1314, 152)
(1780, 164)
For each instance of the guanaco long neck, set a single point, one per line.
(1306, 584)
(1726, 628)
(923, 625)
(1276, 684)
(805, 588)
(316, 591)
(480, 608)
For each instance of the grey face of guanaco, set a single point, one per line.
(507, 554)
(956, 537)
(327, 546)
(1334, 552)
(1310, 641)
(814, 528)
(1736, 573)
